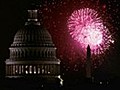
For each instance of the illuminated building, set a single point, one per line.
(32, 53)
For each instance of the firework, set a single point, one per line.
(86, 27)
(102, 26)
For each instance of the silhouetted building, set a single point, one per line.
(32, 53)
(88, 62)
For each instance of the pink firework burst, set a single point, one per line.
(86, 27)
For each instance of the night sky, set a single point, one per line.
(53, 14)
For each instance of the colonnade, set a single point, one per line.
(18, 69)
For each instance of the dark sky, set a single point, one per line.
(12, 18)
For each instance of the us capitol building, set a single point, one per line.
(33, 53)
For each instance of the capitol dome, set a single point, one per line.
(32, 35)
(32, 42)
(33, 52)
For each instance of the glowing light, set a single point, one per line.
(86, 27)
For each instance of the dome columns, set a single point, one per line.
(30, 52)
(21, 69)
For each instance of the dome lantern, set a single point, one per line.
(32, 15)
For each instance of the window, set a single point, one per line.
(13, 69)
(26, 69)
(22, 68)
(30, 69)
(34, 69)
(38, 69)
(19, 69)
(43, 69)
(16, 69)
